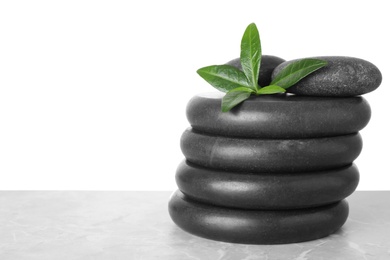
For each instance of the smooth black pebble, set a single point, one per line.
(266, 190)
(256, 226)
(270, 155)
(279, 116)
(341, 77)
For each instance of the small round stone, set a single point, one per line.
(273, 191)
(256, 226)
(342, 77)
(270, 155)
(279, 116)
(267, 65)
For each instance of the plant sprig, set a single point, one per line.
(240, 85)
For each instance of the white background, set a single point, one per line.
(93, 93)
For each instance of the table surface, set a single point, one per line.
(136, 225)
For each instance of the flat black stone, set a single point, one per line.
(342, 77)
(267, 66)
(256, 226)
(266, 190)
(279, 116)
(270, 155)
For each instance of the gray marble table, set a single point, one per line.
(115, 225)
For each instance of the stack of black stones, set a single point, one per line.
(277, 168)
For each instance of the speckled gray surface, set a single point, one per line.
(341, 77)
(70, 225)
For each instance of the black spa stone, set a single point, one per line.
(256, 226)
(342, 77)
(279, 116)
(268, 64)
(270, 155)
(266, 190)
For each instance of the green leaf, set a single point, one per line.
(235, 97)
(223, 77)
(296, 71)
(271, 89)
(250, 56)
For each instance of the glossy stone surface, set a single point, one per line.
(266, 190)
(268, 64)
(279, 116)
(343, 76)
(270, 155)
(256, 226)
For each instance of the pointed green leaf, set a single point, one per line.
(251, 54)
(235, 97)
(223, 77)
(296, 71)
(271, 89)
